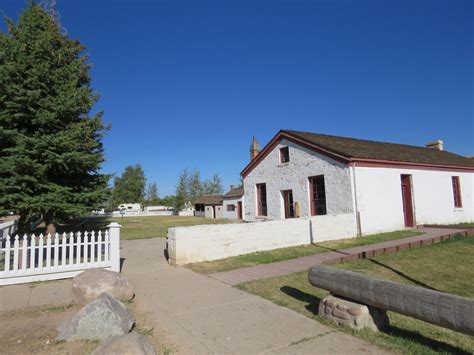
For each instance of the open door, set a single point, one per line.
(288, 204)
(407, 200)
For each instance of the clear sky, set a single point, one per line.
(186, 84)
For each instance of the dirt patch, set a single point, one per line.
(34, 331)
(157, 336)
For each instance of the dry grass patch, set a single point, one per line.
(445, 266)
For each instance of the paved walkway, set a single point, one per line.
(280, 268)
(203, 315)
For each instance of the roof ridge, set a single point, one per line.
(363, 140)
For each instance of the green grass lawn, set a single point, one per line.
(445, 266)
(149, 227)
(265, 257)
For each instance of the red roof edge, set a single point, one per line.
(353, 161)
(285, 135)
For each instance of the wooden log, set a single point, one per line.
(443, 309)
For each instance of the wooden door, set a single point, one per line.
(239, 209)
(407, 200)
(288, 204)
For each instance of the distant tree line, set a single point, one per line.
(190, 187)
(132, 187)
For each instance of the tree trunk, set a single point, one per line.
(49, 224)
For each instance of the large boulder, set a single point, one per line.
(131, 343)
(103, 318)
(90, 284)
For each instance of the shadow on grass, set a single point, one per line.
(402, 274)
(395, 332)
(420, 339)
(311, 300)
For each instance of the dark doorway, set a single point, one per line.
(288, 203)
(239, 210)
(407, 200)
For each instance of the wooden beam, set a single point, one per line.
(443, 309)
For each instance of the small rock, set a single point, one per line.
(340, 314)
(354, 311)
(103, 318)
(90, 284)
(357, 316)
(131, 343)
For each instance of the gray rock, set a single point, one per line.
(352, 314)
(103, 318)
(90, 284)
(131, 343)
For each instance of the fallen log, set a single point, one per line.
(439, 308)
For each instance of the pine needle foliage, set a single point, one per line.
(50, 144)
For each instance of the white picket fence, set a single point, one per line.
(40, 258)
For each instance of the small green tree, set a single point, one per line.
(168, 201)
(182, 190)
(213, 186)
(195, 186)
(152, 198)
(130, 187)
(50, 146)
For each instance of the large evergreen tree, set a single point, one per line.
(50, 145)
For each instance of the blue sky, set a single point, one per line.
(186, 84)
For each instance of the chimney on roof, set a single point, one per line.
(438, 144)
(254, 148)
(232, 187)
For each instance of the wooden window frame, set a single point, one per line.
(456, 191)
(262, 208)
(230, 208)
(284, 152)
(311, 196)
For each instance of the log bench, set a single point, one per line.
(439, 308)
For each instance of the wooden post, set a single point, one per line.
(443, 309)
(114, 235)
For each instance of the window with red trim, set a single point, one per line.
(317, 192)
(261, 199)
(284, 155)
(456, 191)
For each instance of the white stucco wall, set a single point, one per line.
(294, 175)
(211, 242)
(208, 212)
(379, 198)
(231, 201)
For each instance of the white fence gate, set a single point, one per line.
(39, 258)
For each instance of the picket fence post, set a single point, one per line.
(114, 235)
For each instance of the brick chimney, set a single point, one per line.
(254, 148)
(438, 144)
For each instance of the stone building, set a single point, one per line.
(385, 186)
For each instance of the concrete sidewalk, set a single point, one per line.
(199, 314)
(35, 294)
(286, 267)
(203, 315)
